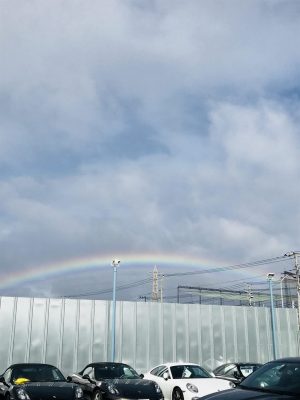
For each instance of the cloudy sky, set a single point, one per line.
(129, 127)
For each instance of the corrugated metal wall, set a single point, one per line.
(71, 333)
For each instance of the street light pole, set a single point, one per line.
(114, 264)
(281, 290)
(273, 325)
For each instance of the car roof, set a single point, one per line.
(30, 364)
(287, 359)
(247, 363)
(93, 364)
(173, 364)
(238, 363)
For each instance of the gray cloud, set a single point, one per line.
(165, 127)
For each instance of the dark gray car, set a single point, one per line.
(112, 381)
(35, 381)
(276, 380)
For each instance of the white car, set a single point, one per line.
(186, 381)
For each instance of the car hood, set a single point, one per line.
(218, 384)
(245, 394)
(134, 388)
(49, 390)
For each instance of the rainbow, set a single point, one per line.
(50, 270)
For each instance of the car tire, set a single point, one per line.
(96, 395)
(177, 394)
(7, 396)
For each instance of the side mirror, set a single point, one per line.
(142, 376)
(69, 378)
(2, 380)
(166, 376)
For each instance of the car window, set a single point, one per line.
(233, 372)
(112, 371)
(247, 369)
(227, 368)
(88, 371)
(36, 373)
(128, 372)
(104, 372)
(125, 371)
(7, 375)
(220, 370)
(188, 372)
(154, 370)
(157, 370)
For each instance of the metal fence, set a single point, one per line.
(70, 333)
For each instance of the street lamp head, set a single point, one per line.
(115, 263)
(289, 254)
(270, 275)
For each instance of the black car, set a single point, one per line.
(235, 372)
(276, 380)
(34, 381)
(111, 381)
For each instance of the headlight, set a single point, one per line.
(22, 395)
(192, 388)
(78, 392)
(112, 389)
(157, 388)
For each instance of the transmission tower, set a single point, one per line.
(249, 294)
(155, 294)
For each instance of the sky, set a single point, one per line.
(150, 131)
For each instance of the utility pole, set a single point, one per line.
(296, 255)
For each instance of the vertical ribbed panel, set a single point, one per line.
(71, 333)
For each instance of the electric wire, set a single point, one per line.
(188, 273)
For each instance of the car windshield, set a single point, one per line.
(276, 376)
(188, 372)
(120, 371)
(36, 373)
(247, 369)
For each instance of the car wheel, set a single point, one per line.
(97, 395)
(177, 394)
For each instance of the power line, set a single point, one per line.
(232, 267)
(188, 273)
(105, 291)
